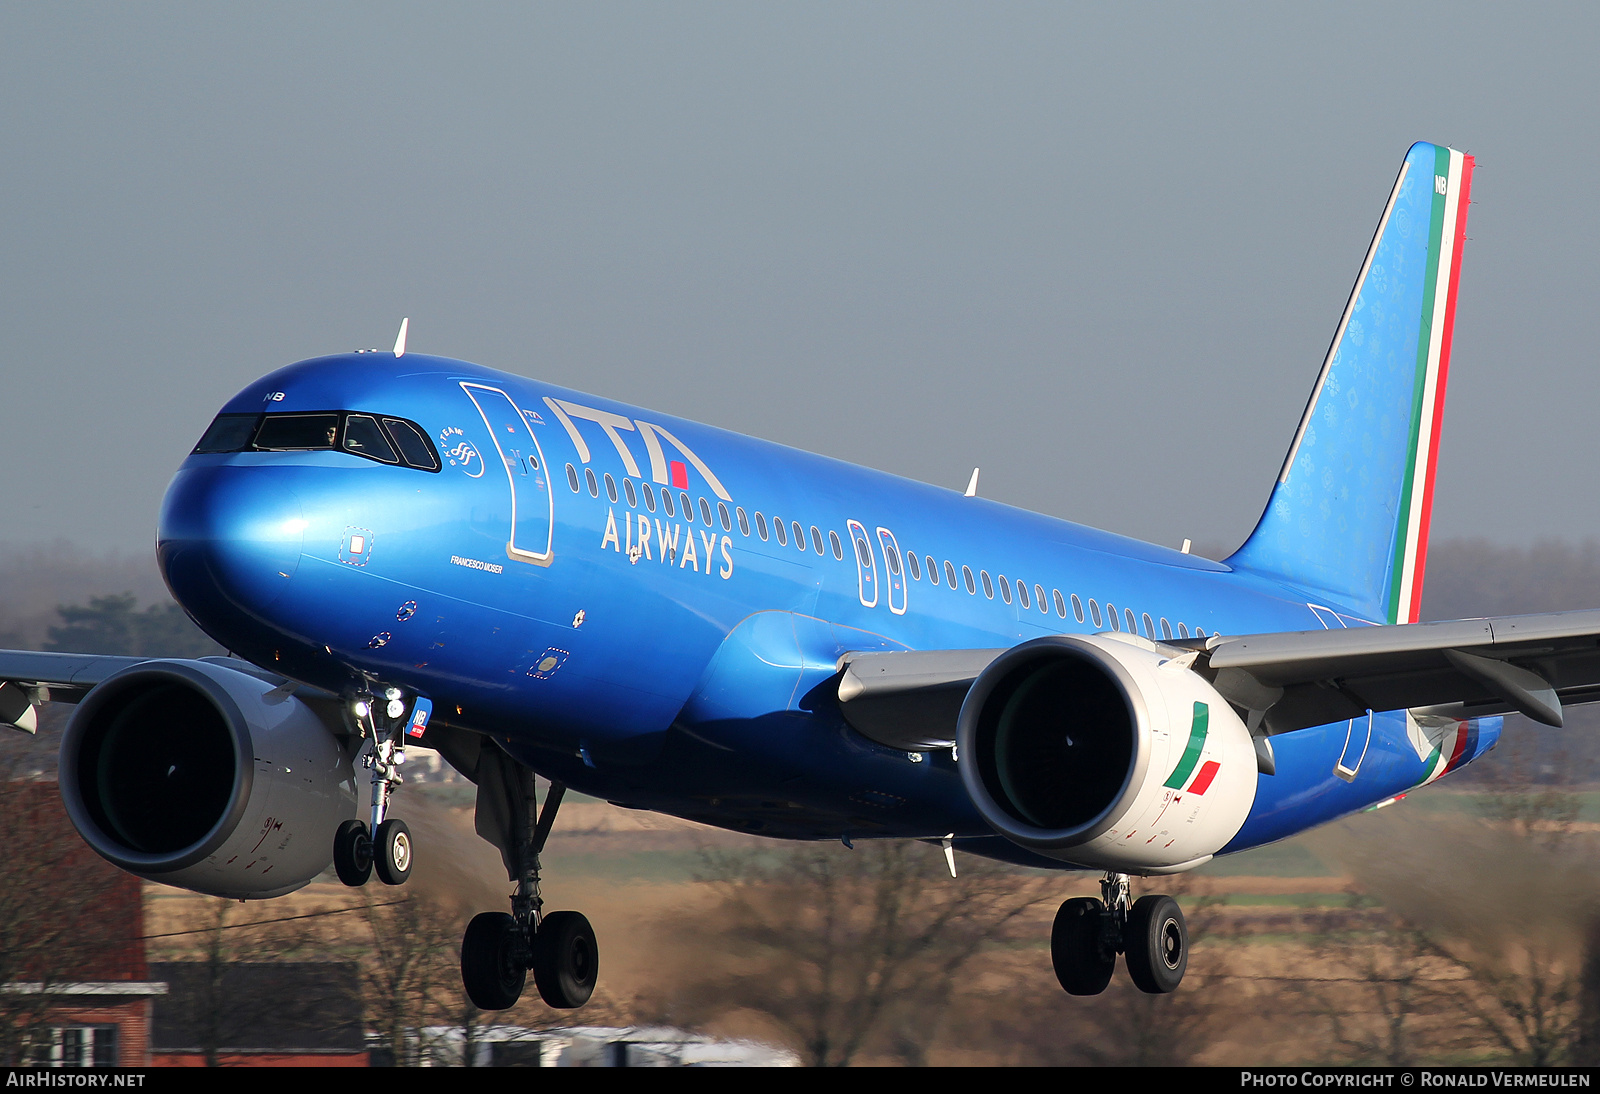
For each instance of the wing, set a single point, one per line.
(30, 677)
(1462, 668)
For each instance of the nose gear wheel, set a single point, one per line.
(383, 843)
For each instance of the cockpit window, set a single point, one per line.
(358, 434)
(229, 433)
(363, 437)
(412, 444)
(297, 432)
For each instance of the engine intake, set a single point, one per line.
(1105, 752)
(199, 775)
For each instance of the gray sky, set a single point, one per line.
(1098, 251)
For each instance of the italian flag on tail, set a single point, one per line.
(1447, 231)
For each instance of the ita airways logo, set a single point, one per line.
(1185, 778)
(461, 452)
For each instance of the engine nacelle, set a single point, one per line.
(197, 775)
(1106, 753)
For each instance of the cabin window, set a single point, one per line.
(1094, 612)
(1183, 630)
(364, 437)
(779, 531)
(1022, 594)
(950, 574)
(1111, 616)
(1127, 613)
(722, 514)
(972, 586)
(688, 508)
(799, 535)
(916, 567)
(611, 488)
(572, 478)
(1077, 606)
(705, 513)
(649, 493)
(744, 521)
(933, 569)
(816, 539)
(1005, 589)
(633, 498)
(666, 503)
(415, 448)
(1166, 629)
(833, 541)
(761, 526)
(988, 585)
(1038, 598)
(393, 442)
(594, 485)
(297, 432)
(228, 433)
(1149, 627)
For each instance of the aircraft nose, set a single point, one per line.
(229, 540)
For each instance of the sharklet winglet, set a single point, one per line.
(400, 339)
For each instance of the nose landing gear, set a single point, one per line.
(1089, 933)
(385, 845)
(498, 950)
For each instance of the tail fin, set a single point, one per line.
(1349, 515)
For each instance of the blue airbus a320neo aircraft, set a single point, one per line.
(410, 550)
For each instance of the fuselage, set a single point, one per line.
(651, 610)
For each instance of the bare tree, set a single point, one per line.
(845, 951)
(410, 974)
(241, 984)
(1388, 984)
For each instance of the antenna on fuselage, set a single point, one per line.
(400, 339)
(972, 485)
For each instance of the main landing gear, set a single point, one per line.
(385, 845)
(1089, 933)
(498, 949)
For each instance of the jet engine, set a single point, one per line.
(1106, 752)
(198, 775)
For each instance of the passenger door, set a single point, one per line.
(866, 565)
(532, 504)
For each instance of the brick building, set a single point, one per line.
(259, 1014)
(74, 987)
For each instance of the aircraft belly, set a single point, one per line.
(1308, 790)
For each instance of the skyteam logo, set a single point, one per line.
(461, 452)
